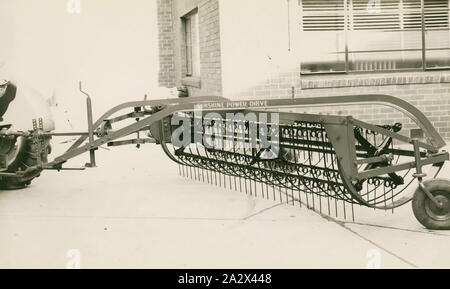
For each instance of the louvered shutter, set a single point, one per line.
(323, 35)
(386, 18)
(436, 14)
(322, 15)
(437, 36)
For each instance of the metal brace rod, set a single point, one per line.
(64, 169)
(90, 129)
(430, 195)
(132, 141)
(220, 103)
(438, 158)
(420, 175)
(386, 157)
(66, 133)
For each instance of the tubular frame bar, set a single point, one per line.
(212, 103)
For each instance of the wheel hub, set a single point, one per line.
(10, 147)
(442, 212)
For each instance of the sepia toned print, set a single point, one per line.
(225, 134)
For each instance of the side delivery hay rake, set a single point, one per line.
(323, 162)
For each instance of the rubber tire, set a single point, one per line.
(418, 204)
(27, 157)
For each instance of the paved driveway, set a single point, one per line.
(135, 211)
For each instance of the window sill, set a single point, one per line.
(192, 82)
(373, 79)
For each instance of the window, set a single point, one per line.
(374, 35)
(191, 40)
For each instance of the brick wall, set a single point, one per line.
(428, 91)
(166, 44)
(210, 80)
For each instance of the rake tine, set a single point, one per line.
(392, 192)
(353, 213)
(262, 190)
(367, 190)
(336, 207)
(307, 200)
(345, 214)
(329, 208)
(392, 198)
(245, 183)
(287, 195)
(375, 195)
(300, 198)
(292, 196)
(281, 197)
(320, 204)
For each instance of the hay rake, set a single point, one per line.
(328, 163)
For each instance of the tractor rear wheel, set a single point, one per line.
(22, 155)
(428, 213)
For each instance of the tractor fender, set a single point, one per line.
(21, 104)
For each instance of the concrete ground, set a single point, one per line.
(135, 211)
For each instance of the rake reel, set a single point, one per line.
(327, 163)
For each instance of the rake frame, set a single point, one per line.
(341, 138)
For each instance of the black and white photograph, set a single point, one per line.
(240, 135)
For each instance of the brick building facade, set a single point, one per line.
(166, 44)
(172, 53)
(245, 52)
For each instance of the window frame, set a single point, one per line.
(347, 70)
(191, 44)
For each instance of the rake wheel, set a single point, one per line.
(428, 213)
